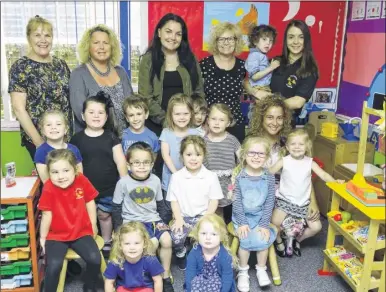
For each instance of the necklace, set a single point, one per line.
(103, 74)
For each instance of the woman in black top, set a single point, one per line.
(296, 77)
(224, 73)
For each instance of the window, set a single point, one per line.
(69, 19)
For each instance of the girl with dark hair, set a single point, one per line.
(103, 159)
(296, 77)
(168, 67)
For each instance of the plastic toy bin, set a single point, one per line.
(16, 281)
(14, 212)
(14, 226)
(17, 253)
(14, 240)
(16, 268)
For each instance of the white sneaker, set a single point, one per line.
(243, 280)
(262, 276)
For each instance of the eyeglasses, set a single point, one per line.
(230, 40)
(146, 163)
(254, 153)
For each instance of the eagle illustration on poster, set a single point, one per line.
(244, 14)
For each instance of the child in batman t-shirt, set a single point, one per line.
(138, 197)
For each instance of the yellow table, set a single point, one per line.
(377, 217)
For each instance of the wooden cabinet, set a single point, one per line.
(333, 152)
(20, 252)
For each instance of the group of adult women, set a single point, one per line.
(40, 81)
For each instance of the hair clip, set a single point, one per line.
(37, 16)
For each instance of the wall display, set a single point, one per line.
(373, 10)
(358, 10)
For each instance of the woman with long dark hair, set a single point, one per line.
(168, 67)
(296, 77)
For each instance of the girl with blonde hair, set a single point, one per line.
(210, 262)
(254, 199)
(294, 193)
(132, 265)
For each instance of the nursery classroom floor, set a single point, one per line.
(298, 274)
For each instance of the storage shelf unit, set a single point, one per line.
(20, 202)
(376, 217)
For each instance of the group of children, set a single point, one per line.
(208, 180)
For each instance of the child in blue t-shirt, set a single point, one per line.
(137, 111)
(131, 266)
(54, 127)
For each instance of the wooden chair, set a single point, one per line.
(271, 254)
(72, 255)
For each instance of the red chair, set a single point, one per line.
(321, 165)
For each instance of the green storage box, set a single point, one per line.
(14, 212)
(16, 268)
(15, 240)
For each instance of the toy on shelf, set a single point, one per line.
(348, 128)
(329, 130)
(364, 192)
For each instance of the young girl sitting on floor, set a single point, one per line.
(223, 149)
(132, 266)
(54, 127)
(193, 191)
(293, 195)
(137, 197)
(70, 196)
(210, 262)
(178, 125)
(254, 199)
(103, 158)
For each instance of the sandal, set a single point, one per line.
(281, 253)
(296, 248)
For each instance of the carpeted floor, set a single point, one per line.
(298, 274)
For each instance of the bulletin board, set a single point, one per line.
(363, 76)
(326, 21)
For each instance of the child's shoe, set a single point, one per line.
(262, 276)
(296, 248)
(181, 259)
(243, 279)
(167, 285)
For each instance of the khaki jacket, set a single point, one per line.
(152, 89)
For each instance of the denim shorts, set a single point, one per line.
(104, 204)
(156, 229)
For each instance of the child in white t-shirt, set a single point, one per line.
(193, 192)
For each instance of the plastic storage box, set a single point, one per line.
(16, 268)
(17, 253)
(14, 226)
(15, 240)
(14, 212)
(16, 281)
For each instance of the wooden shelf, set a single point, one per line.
(348, 236)
(374, 283)
(375, 213)
(20, 289)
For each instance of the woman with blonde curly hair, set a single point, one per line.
(224, 73)
(210, 262)
(133, 266)
(99, 53)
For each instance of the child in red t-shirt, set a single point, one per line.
(68, 219)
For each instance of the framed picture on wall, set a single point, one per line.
(383, 13)
(358, 10)
(373, 10)
(324, 95)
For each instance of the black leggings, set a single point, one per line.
(85, 247)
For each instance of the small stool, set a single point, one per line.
(271, 254)
(72, 255)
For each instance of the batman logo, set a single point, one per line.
(142, 195)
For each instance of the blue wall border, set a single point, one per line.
(124, 29)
